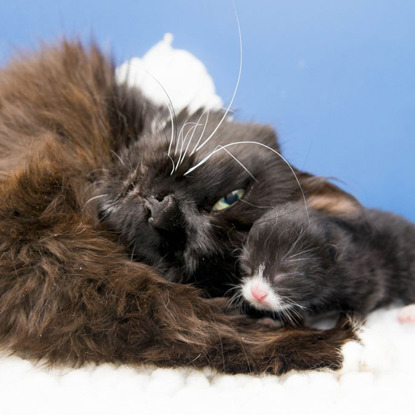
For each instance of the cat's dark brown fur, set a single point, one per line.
(68, 292)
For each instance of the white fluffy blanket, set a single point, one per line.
(378, 375)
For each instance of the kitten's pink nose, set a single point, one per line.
(258, 293)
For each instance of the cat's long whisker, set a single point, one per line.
(275, 217)
(237, 82)
(180, 135)
(173, 165)
(93, 198)
(183, 153)
(207, 112)
(256, 206)
(188, 143)
(240, 163)
(205, 159)
(118, 157)
(170, 106)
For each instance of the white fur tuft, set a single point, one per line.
(178, 72)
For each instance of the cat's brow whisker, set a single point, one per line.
(294, 244)
(237, 82)
(205, 159)
(301, 253)
(240, 163)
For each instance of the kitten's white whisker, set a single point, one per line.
(233, 288)
(205, 159)
(237, 82)
(289, 301)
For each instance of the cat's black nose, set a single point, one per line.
(165, 213)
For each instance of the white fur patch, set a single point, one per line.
(177, 73)
(272, 302)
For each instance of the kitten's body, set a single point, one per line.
(69, 292)
(296, 264)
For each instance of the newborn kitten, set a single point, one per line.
(295, 264)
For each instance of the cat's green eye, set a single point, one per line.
(228, 200)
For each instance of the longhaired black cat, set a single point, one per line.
(103, 209)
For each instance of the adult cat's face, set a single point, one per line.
(190, 223)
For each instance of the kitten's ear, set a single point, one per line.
(327, 198)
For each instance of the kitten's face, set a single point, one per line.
(288, 261)
(190, 224)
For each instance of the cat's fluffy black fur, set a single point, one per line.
(315, 264)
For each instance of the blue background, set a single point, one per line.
(335, 78)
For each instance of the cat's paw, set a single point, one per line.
(407, 314)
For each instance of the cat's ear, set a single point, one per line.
(327, 198)
(268, 136)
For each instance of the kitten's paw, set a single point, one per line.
(270, 323)
(407, 314)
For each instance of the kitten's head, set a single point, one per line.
(288, 261)
(189, 219)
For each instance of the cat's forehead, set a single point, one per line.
(198, 156)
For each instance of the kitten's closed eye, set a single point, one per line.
(227, 201)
